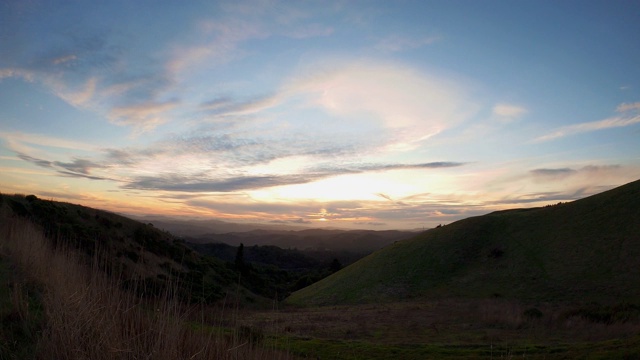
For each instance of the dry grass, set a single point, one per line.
(88, 315)
(447, 321)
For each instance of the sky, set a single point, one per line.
(349, 114)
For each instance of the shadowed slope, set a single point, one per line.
(586, 250)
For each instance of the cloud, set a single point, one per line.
(26, 75)
(370, 223)
(212, 181)
(217, 43)
(224, 106)
(552, 173)
(77, 168)
(411, 105)
(81, 166)
(142, 116)
(431, 165)
(80, 98)
(300, 221)
(39, 162)
(630, 116)
(395, 43)
(174, 182)
(65, 59)
(311, 31)
(609, 123)
(541, 197)
(588, 171)
(624, 107)
(508, 111)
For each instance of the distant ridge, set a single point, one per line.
(585, 250)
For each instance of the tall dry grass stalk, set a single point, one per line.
(88, 315)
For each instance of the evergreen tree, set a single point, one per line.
(335, 265)
(240, 266)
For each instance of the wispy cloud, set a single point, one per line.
(218, 42)
(624, 107)
(44, 140)
(508, 111)
(77, 168)
(552, 174)
(142, 116)
(11, 72)
(199, 182)
(79, 98)
(630, 116)
(225, 106)
(411, 105)
(395, 43)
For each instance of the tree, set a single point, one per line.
(240, 266)
(335, 265)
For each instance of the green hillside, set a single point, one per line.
(586, 250)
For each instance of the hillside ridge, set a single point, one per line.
(585, 250)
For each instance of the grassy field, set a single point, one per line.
(448, 329)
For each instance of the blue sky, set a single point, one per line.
(354, 114)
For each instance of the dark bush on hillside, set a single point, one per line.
(597, 313)
(83, 214)
(145, 235)
(533, 313)
(496, 253)
(18, 208)
(132, 255)
(335, 266)
(250, 334)
(31, 198)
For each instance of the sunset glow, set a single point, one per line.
(348, 114)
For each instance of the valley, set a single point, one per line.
(542, 283)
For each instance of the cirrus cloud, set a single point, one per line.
(630, 116)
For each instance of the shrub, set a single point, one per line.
(533, 313)
(250, 334)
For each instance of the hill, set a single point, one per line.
(134, 251)
(356, 242)
(586, 250)
(197, 227)
(141, 252)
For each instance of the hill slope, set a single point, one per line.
(134, 251)
(586, 250)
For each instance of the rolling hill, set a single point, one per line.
(586, 250)
(360, 242)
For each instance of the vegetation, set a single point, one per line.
(553, 282)
(271, 271)
(585, 251)
(60, 307)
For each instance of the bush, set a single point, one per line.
(533, 313)
(597, 313)
(250, 334)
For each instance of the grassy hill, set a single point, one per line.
(136, 252)
(587, 251)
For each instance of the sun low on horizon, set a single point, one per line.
(372, 114)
